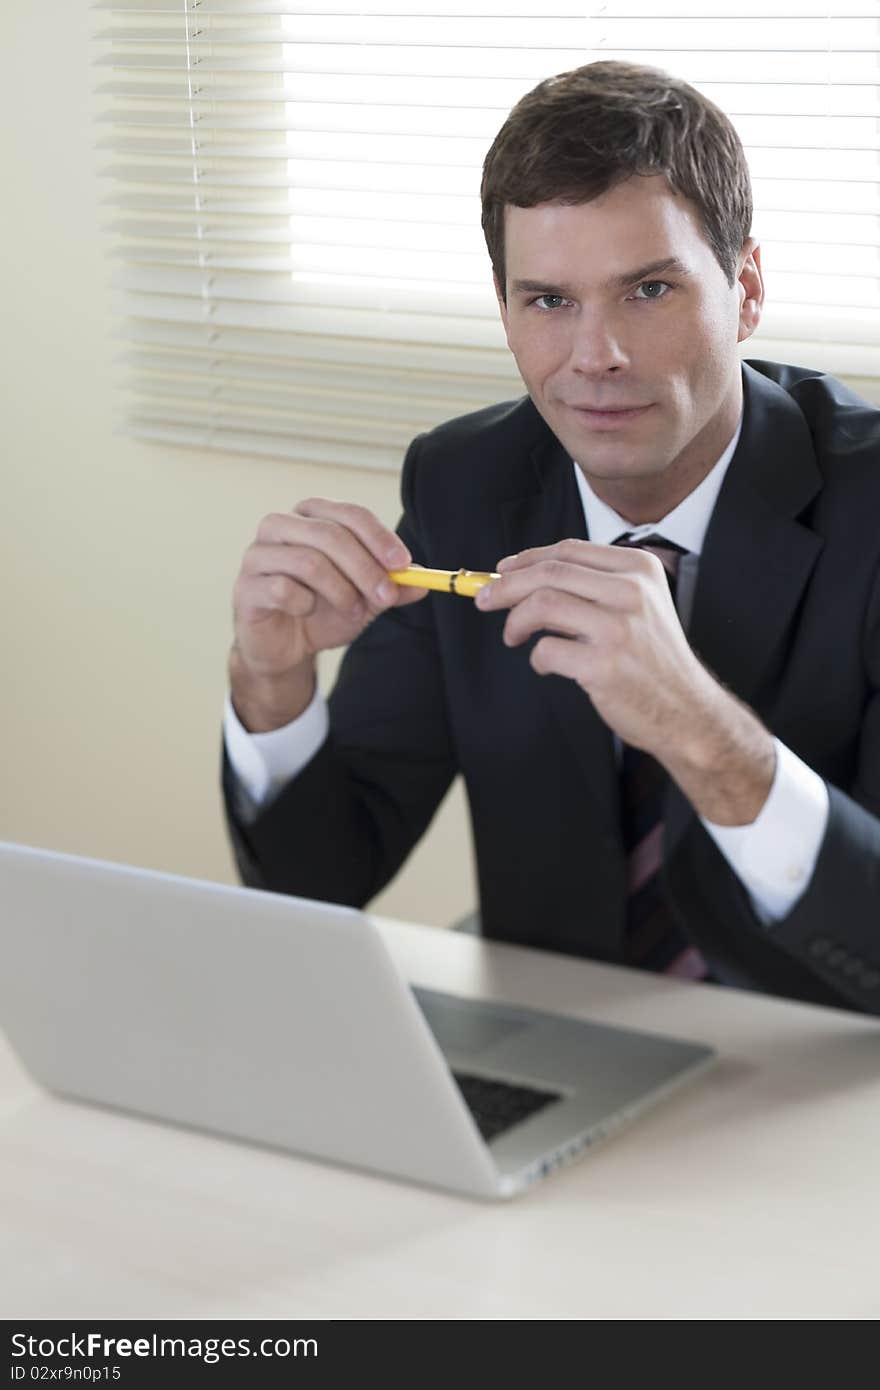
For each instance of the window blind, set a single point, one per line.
(293, 198)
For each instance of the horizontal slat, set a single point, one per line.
(854, 175)
(532, 66)
(277, 7)
(820, 258)
(334, 427)
(827, 227)
(407, 410)
(349, 144)
(553, 32)
(284, 348)
(830, 130)
(307, 202)
(415, 151)
(364, 418)
(631, 9)
(271, 445)
(303, 375)
(495, 93)
(376, 325)
(802, 196)
(838, 359)
(422, 266)
(815, 325)
(355, 293)
(404, 148)
(208, 202)
(480, 93)
(837, 293)
(288, 232)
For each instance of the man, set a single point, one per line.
(689, 553)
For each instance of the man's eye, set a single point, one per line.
(549, 301)
(652, 289)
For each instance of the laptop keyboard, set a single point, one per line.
(497, 1105)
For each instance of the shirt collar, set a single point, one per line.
(685, 525)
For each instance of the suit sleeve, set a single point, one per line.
(831, 937)
(341, 829)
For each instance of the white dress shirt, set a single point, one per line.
(774, 856)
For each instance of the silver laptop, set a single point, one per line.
(285, 1022)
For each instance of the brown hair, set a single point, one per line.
(576, 135)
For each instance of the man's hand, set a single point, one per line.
(622, 642)
(313, 579)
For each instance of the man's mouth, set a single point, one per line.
(608, 409)
(609, 415)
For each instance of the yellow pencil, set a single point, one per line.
(464, 582)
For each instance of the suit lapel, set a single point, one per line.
(551, 511)
(757, 557)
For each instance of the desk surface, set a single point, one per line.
(750, 1194)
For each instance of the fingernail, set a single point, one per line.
(385, 591)
(397, 557)
(502, 563)
(481, 597)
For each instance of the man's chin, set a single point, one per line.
(613, 459)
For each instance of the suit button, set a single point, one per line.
(820, 946)
(852, 968)
(870, 979)
(838, 958)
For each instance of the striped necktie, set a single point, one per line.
(653, 940)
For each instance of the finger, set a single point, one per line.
(335, 541)
(612, 559)
(409, 595)
(387, 549)
(559, 656)
(310, 567)
(256, 596)
(618, 590)
(549, 610)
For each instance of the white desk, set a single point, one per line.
(750, 1194)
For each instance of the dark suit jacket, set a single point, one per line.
(786, 614)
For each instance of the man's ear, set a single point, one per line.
(499, 295)
(750, 287)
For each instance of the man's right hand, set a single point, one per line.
(312, 579)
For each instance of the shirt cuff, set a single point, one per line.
(774, 857)
(262, 763)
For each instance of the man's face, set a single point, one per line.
(624, 329)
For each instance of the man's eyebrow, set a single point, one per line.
(644, 272)
(540, 287)
(629, 277)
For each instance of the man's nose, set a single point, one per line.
(597, 346)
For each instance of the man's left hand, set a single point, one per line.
(610, 624)
(619, 634)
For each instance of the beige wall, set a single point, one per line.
(117, 557)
